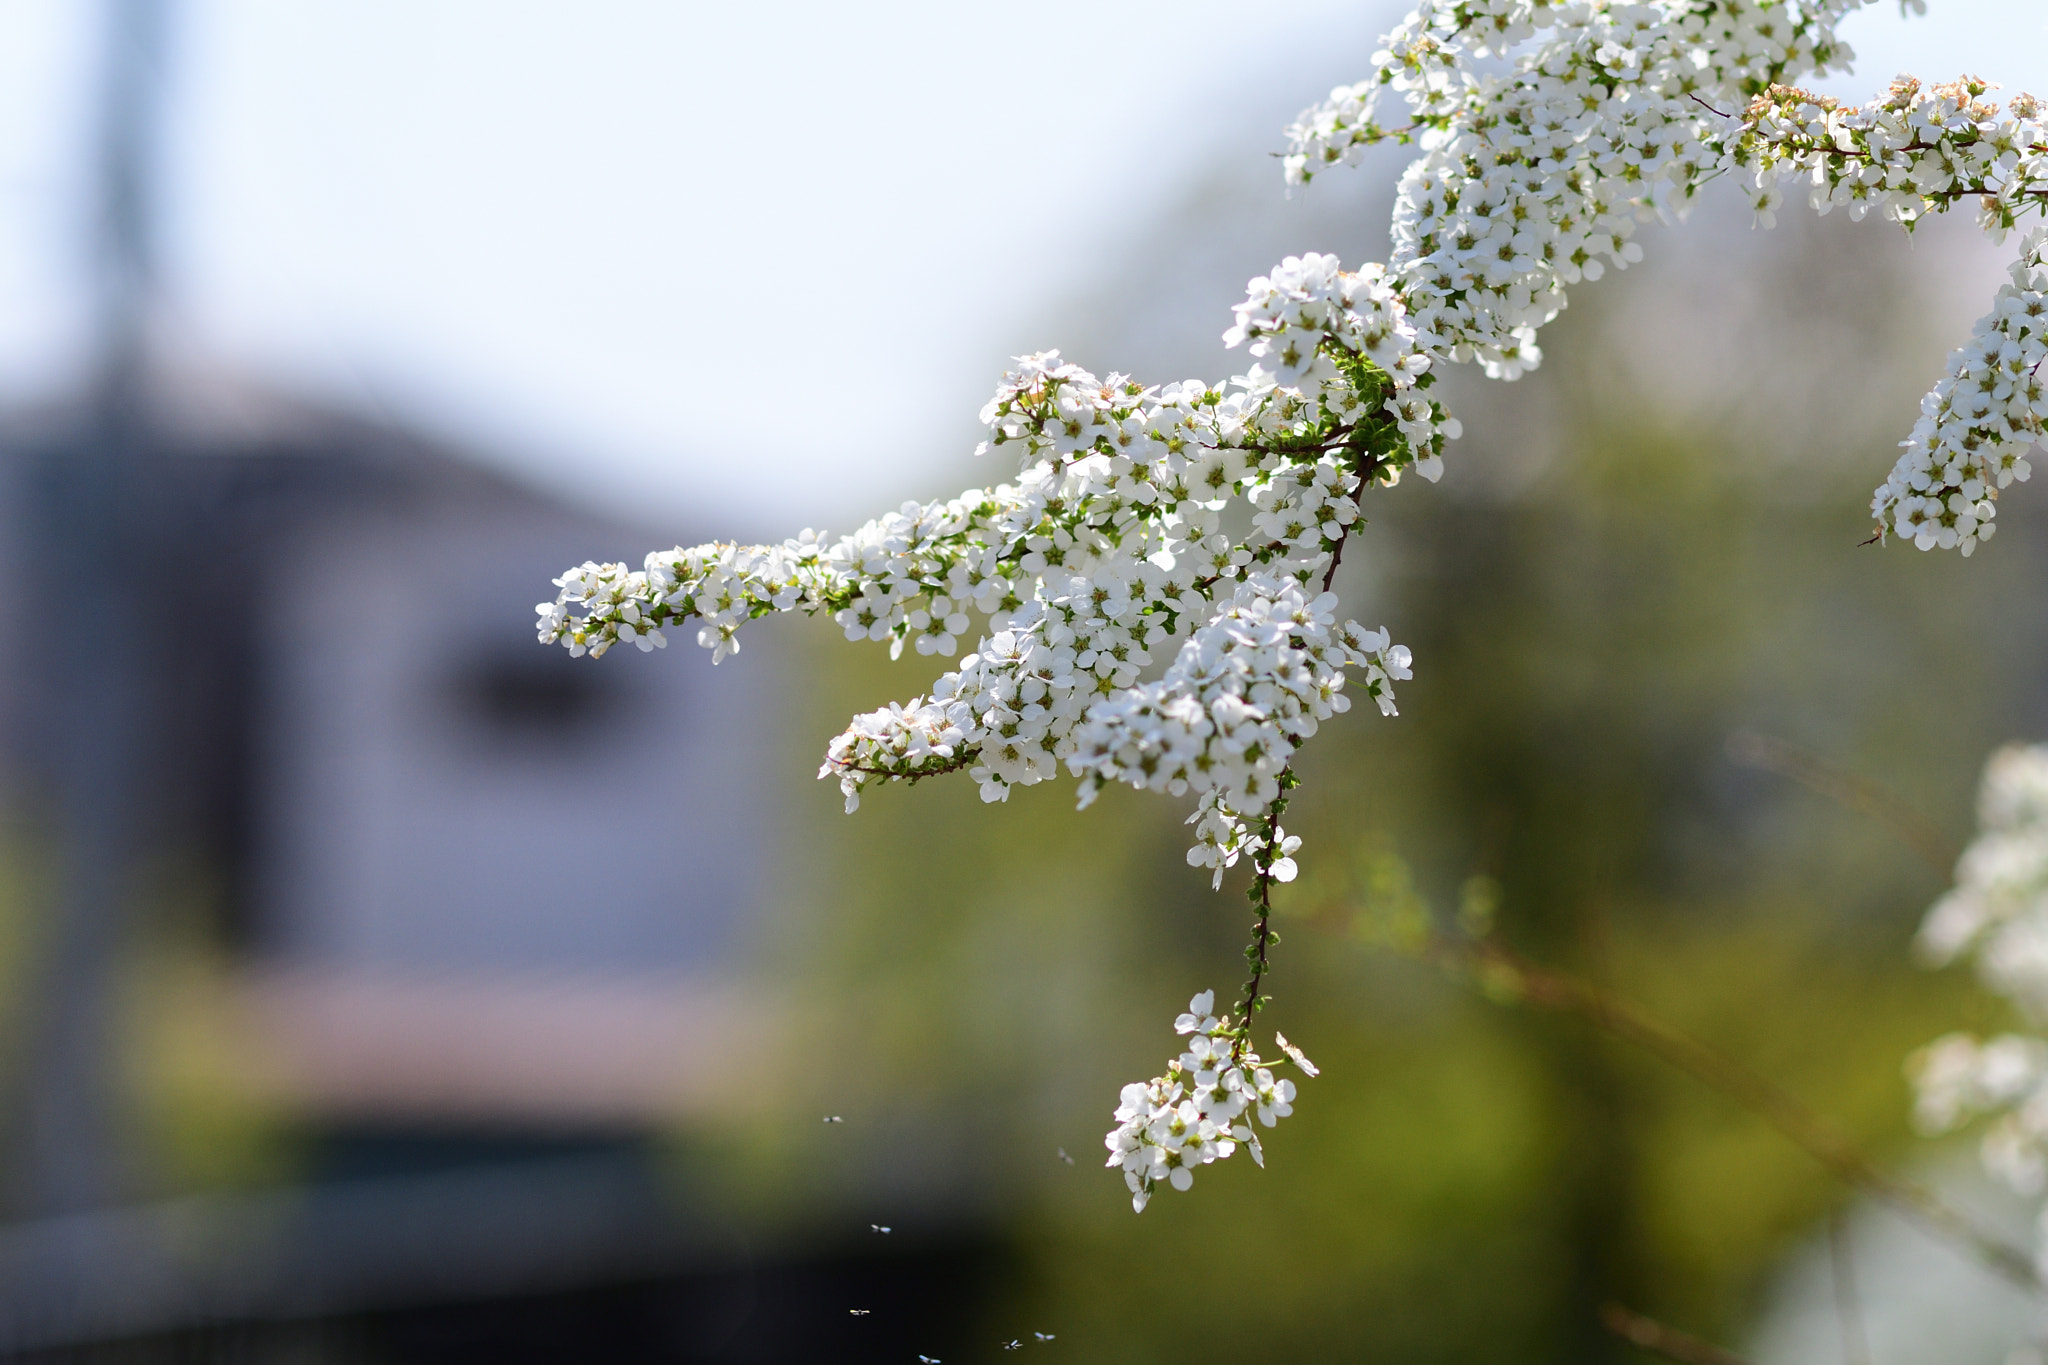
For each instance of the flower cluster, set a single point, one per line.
(1914, 152)
(1979, 423)
(1200, 1110)
(1120, 542)
(1108, 551)
(1150, 598)
(1997, 912)
(1226, 717)
(1532, 179)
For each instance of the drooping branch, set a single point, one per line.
(1508, 974)
(1850, 790)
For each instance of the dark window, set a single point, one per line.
(535, 694)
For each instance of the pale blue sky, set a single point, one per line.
(760, 258)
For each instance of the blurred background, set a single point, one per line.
(380, 986)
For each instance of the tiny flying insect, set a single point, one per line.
(1064, 1157)
(858, 1312)
(834, 1118)
(1043, 1336)
(879, 1228)
(929, 1360)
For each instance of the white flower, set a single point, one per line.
(1282, 869)
(1145, 598)
(1190, 1117)
(1998, 912)
(1275, 1098)
(1294, 1054)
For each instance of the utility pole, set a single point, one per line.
(94, 547)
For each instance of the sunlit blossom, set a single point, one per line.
(1150, 595)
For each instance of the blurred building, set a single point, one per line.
(487, 906)
(477, 918)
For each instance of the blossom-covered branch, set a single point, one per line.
(1151, 597)
(1912, 153)
(1533, 179)
(1200, 1110)
(1110, 551)
(1106, 553)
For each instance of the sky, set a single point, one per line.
(757, 261)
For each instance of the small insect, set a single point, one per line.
(858, 1312)
(1043, 1336)
(834, 1118)
(1064, 1157)
(879, 1228)
(1013, 1346)
(929, 1360)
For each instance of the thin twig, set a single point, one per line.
(1805, 1129)
(1262, 933)
(1261, 937)
(915, 776)
(1860, 794)
(1366, 469)
(1654, 1337)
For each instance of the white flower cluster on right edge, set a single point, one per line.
(1917, 151)
(1200, 1110)
(1977, 425)
(1997, 913)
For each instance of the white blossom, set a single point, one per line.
(1150, 597)
(1196, 1112)
(1915, 152)
(1997, 914)
(1105, 554)
(1532, 179)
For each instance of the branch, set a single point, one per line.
(1262, 897)
(1860, 794)
(1366, 470)
(933, 767)
(1618, 1018)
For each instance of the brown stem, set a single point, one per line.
(1857, 793)
(1366, 469)
(1336, 558)
(1805, 1129)
(1262, 934)
(950, 765)
(1654, 1337)
(1974, 189)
